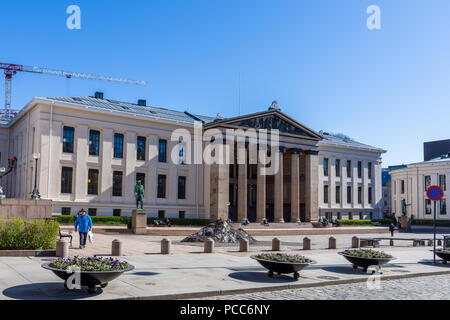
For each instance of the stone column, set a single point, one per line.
(219, 191)
(312, 186)
(261, 193)
(80, 171)
(295, 188)
(242, 191)
(278, 191)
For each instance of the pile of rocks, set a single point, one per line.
(221, 232)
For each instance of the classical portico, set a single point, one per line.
(252, 189)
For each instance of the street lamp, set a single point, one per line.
(35, 195)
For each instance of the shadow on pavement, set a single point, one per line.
(46, 291)
(143, 273)
(261, 277)
(429, 262)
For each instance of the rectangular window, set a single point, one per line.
(182, 214)
(442, 182)
(350, 216)
(338, 194)
(181, 187)
(427, 206)
(140, 145)
(117, 183)
(161, 214)
(329, 215)
(140, 176)
(337, 166)
(371, 215)
(162, 146)
(68, 138)
(361, 216)
(117, 212)
(442, 206)
(349, 168)
(402, 186)
(66, 180)
(94, 142)
(118, 145)
(325, 167)
(349, 194)
(92, 212)
(370, 195)
(427, 182)
(359, 195)
(93, 181)
(161, 186)
(339, 216)
(369, 170)
(325, 194)
(359, 169)
(66, 211)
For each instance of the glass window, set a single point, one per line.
(66, 211)
(161, 186)
(403, 186)
(68, 138)
(117, 212)
(359, 169)
(442, 206)
(361, 216)
(325, 167)
(337, 167)
(118, 145)
(182, 153)
(339, 216)
(325, 194)
(93, 181)
(141, 148)
(427, 182)
(162, 146)
(66, 180)
(349, 168)
(94, 142)
(349, 194)
(359, 195)
(350, 216)
(182, 214)
(181, 187)
(161, 214)
(117, 183)
(140, 176)
(371, 215)
(369, 170)
(92, 212)
(338, 194)
(442, 182)
(427, 206)
(370, 195)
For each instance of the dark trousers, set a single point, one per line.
(83, 236)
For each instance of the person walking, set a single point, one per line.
(392, 229)
(84, 224)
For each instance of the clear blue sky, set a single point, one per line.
(388, 88)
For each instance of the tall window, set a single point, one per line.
(370, 195)
(338, 194)
(94, 142)
(349, 168)
(369, 170)
(442, 206)
(349, 194)
(181, 187)
(339, 216)
(161, 186)
(427, 206)
(442, 182)
(427, 182)
(361, 216)
(140, 176)
(93, 181)
(117, 183)
(68, 134)
(118, 145)
(162, 146)
(66, 180)
(337, 166)
(359, 195)
(359, 169)
(325, 194)
(141, 148)
(402, 186)
(325, 167)
(350, 216)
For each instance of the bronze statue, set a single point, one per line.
(405, 207)
(139, 194)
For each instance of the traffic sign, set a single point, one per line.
(435, 193)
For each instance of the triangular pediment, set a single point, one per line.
(270, 120)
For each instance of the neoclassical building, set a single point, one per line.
(411, 183)
(93, 150)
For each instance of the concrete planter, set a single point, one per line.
(282, 267)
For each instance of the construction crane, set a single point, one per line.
(12, 69)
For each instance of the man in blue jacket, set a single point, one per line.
(84, 224)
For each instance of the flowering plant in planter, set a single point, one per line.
(280, 257)
(90, 264)
(366, 253)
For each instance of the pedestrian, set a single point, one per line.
(392, 229)
(84, 224)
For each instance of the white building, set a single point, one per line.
(92, 151)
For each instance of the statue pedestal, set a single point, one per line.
(404, 223)
(139, 221)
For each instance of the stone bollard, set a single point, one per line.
(62, 248)
(306, 243)
(209, 245)
(165, 246)
(116, 249)
(355, 242)
(276, 244)
(243, 245)
(332, 243)
(391, 243)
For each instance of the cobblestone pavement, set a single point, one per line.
(421, 288)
